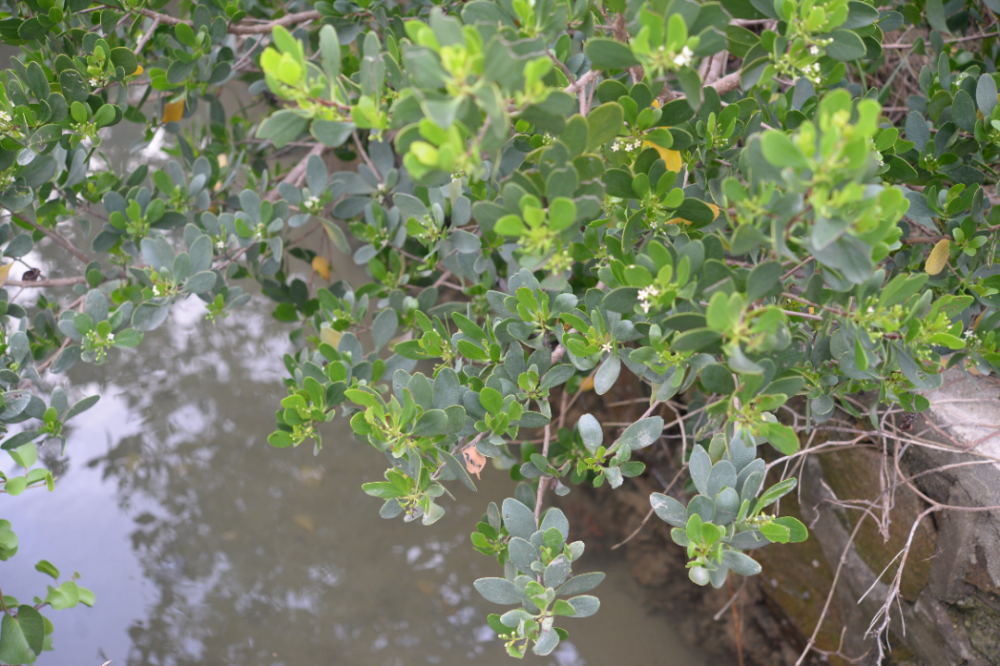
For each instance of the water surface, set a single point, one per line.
(206, 546)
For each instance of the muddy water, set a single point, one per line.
(206, 546)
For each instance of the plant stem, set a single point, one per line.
(542, 480)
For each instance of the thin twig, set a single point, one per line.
(60, 240)
(649, 514)
(239, 28)
(364, 156)
(141, 44)
(543, 479)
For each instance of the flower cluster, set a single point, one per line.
(626, 145)
(646, 295)
(683, 59)
(811, 72)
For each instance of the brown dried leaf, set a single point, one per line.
(474, 461)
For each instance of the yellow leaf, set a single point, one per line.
(5, 273)
(671, 158)
(656, 103)
(138, 70)
(321, 266)
(678, 220)
(938, 257)
(587, 384)
(173, 111)
(223, 160)
(329, 336)
(304, 521)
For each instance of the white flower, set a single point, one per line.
(616, 147)
(220, 244)
(111, 337)
(4, 117)
(648, 293)
(312, 201)
(814, 50)
(156, 290)
(683, 59)
(93, 81)
(606, 347)
(645, 295)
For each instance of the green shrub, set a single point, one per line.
(738, 202)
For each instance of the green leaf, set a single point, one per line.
(124, 58)
(607, 374)
(780, 151)
(846, 46)
(329, 45)
(284, 126)
(81, 406)
(916, 130)
(936, 17)
(510, 225)
(431, 423)
(498, 590)
(782, 437)
(590, 432)
(585, 605)
(518, 519)
(776, 492)
(331, 133)
(775, 532)
(384, 327)
(764, 280)
(717, 316)
(669, 510)
(19, 636)
(718, 379)
(640, 434)
(986, 94)
(740, 563)
(382, 490)
(46, 567)
(491, 400)
(797, 532)
(25, 455)
(607, 54)
(604, 123)
(963, 110)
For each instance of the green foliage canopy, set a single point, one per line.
(707, 195)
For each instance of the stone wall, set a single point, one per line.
(949, 610)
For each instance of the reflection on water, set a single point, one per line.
(204, 545)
